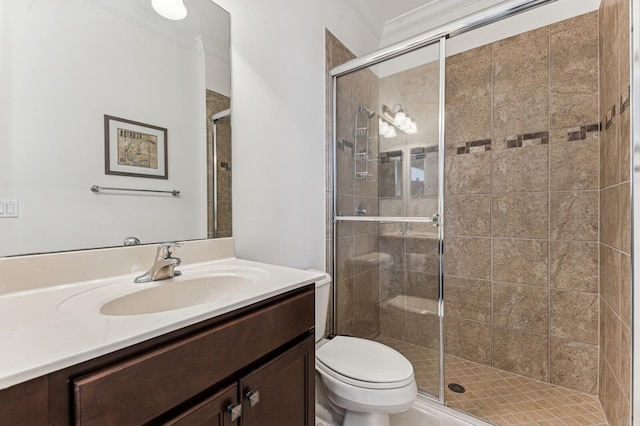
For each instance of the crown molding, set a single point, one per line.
(369, 18)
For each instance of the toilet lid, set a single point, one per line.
(364, 361)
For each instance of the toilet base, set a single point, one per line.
(353, 418)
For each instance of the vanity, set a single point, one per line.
(242, 357)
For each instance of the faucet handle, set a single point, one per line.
(165, 250)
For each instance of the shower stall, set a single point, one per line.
(479, 204)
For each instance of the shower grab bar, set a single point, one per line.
(97, 188)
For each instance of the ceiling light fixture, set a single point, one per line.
(398, 118)
(170, 9)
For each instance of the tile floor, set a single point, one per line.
(500, 397)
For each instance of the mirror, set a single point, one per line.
(68, 64)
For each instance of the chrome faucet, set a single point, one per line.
(163, 266)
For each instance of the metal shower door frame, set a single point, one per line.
(437, 35)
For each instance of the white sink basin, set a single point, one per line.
(176, 295)
(197, 286)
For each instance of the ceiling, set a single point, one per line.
(394, 20)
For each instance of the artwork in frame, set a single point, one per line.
(135, 149)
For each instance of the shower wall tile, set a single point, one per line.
(422, 285)
(468, 257)
(392, 247)
(574, 215)
(468, 120)
(469, 77)
(610, 277)
(422, 330)
(468, 174)
(468, 339)
(521, 352)
(522, 60)
(610, 219)
(625, 143)
(366, 292)
(610, 152)
(625, 289)
(469, 215)
(521, 307)
(574, 315)
(422, 84)
(344, 300)
(574, 365)
(520, 261)
(392, 322)
(574, 47)
(366, 325)
(392, 283)
(344, 254)
(612, 340)
(625, 360)
(574, 101)
(421, 254)
(520, 215)
(519, 111)
(365, 253)
(625, 217)
(519, 170)
(574, 165)
(574, 265)
(468, 298)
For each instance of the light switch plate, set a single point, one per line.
(8, 208)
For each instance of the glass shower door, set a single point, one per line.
(387, 202)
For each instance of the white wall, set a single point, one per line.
(65, 65)
(278, 98)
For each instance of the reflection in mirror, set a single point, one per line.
(424, 171)
(390, 171)
(65, 65)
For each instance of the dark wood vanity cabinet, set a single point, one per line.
(256, 363)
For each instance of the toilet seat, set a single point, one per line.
(364, 363)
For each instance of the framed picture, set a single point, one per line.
(134, 149)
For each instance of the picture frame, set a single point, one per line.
(135, 149)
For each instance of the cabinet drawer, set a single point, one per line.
(211, 412)
(144, 387)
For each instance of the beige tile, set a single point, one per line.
(574, 102)
(616, 406)
(468, 257)
(520, 169)
(625, 217)
(366, 324)
(625, 143)
(574, 215)
(392, 322)
(344, 300)
(610, 276)
(344, 256)
(468, 339)
(423, 285)
(522, 60)
(469, 77)
(468, 215)
(625, 360)
(574, 165)
(423, 84)
(392, 248)
(521, 307)
(610, 216)
(574, 47)
(625, 289)
(574, 265)
(521, 352)
(423, 330)
(468, 298)
(520, 215)
(574, 315)
(612, 341)
(467, 121)
(366, 292)
(574, 365)
(421, 254)
(520, 261)
(468, 173)
(520, 111)
(610, 154)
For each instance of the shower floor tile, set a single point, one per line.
(498, 396)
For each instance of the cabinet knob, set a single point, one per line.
(235, 411)
(253, 397)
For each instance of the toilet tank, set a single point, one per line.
(322, 304)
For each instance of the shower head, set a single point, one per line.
(366, 110)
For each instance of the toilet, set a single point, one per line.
(359, 382)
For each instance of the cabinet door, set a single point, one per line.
(213, 411)
(281, 393)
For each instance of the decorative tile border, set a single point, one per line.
(583, 132)
(528, 139)
(625, 100)
(474, 146)
(609, 117)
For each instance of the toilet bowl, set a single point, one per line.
(360, 382)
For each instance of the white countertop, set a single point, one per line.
(45, 330)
